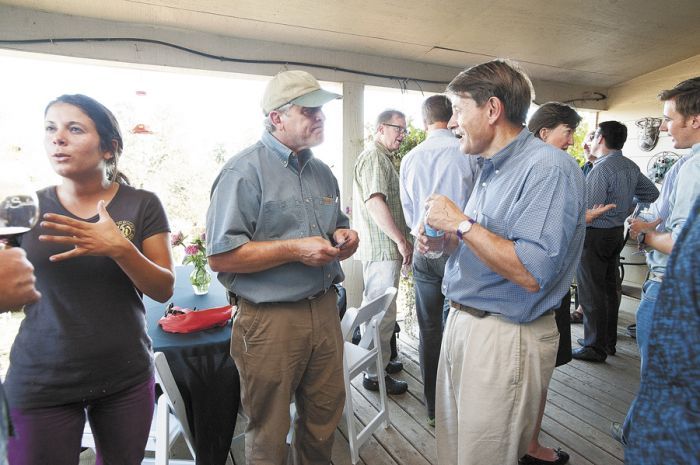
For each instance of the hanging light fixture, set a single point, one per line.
(141, 128)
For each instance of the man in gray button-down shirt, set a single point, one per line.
(276, 235)
(618, 180)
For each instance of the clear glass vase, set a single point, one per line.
(200, 278)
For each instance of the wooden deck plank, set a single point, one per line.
(341, 448)
(560, 418)
(572, 442)
(371, 451)
(596, 402)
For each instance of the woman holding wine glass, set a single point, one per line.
(82, 350)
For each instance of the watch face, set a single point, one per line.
(464, 227)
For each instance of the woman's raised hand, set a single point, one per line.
(102, 238)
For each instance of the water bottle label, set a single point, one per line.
(430, 232)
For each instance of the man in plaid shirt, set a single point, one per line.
(379, 220)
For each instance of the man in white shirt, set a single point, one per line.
(434, 166)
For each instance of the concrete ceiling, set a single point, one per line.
(596, 43)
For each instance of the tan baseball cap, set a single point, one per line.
(296, 87)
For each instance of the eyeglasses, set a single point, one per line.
(400, 129)
(171, 309)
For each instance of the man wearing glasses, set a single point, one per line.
(379, 220)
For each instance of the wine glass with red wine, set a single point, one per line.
(19, 208)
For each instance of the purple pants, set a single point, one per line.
(51, 435)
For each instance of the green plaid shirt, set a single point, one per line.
(375, 173)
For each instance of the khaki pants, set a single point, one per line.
(285, 351)
(377, 277)
(491, 380)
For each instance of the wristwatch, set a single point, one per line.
(464, 227)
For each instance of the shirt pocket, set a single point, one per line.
(282, 219)
(326, 211)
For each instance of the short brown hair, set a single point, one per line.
(437, 108)
(686, 95)
(552, 114)
(502, 79)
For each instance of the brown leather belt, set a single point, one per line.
(471, 310)
(233, 298)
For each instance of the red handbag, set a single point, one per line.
(179, 320)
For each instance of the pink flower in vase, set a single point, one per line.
(192, 250)
(176, 238)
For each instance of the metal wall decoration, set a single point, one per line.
(660, 164)
(648, 132)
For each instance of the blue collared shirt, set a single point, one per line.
(436, 165)
(532, 194)
(684, 194)
(262, 195)
(655, 259)
(617, 179)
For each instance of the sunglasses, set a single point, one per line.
(171, 309)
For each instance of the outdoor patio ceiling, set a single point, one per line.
(597, 43)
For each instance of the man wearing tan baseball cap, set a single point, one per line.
(276, 235)
(295, 87)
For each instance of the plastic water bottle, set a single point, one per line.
(436, 240)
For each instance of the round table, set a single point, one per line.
(203, 369)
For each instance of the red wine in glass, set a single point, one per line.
(19, 212)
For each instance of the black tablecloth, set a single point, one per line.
(202, 368)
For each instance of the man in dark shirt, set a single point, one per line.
(618, 180)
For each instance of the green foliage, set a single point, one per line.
(576, 150)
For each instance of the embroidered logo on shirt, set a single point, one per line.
(127, 229)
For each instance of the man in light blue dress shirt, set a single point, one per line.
(436, 165)
(680, 190)
(514, 250)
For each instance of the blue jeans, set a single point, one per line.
(645, 316)
(430, 307)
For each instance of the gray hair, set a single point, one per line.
(269, 127)
(386, 116)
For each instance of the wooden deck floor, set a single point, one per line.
(583, 399)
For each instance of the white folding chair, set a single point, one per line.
(357, 358)
(169, 421)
